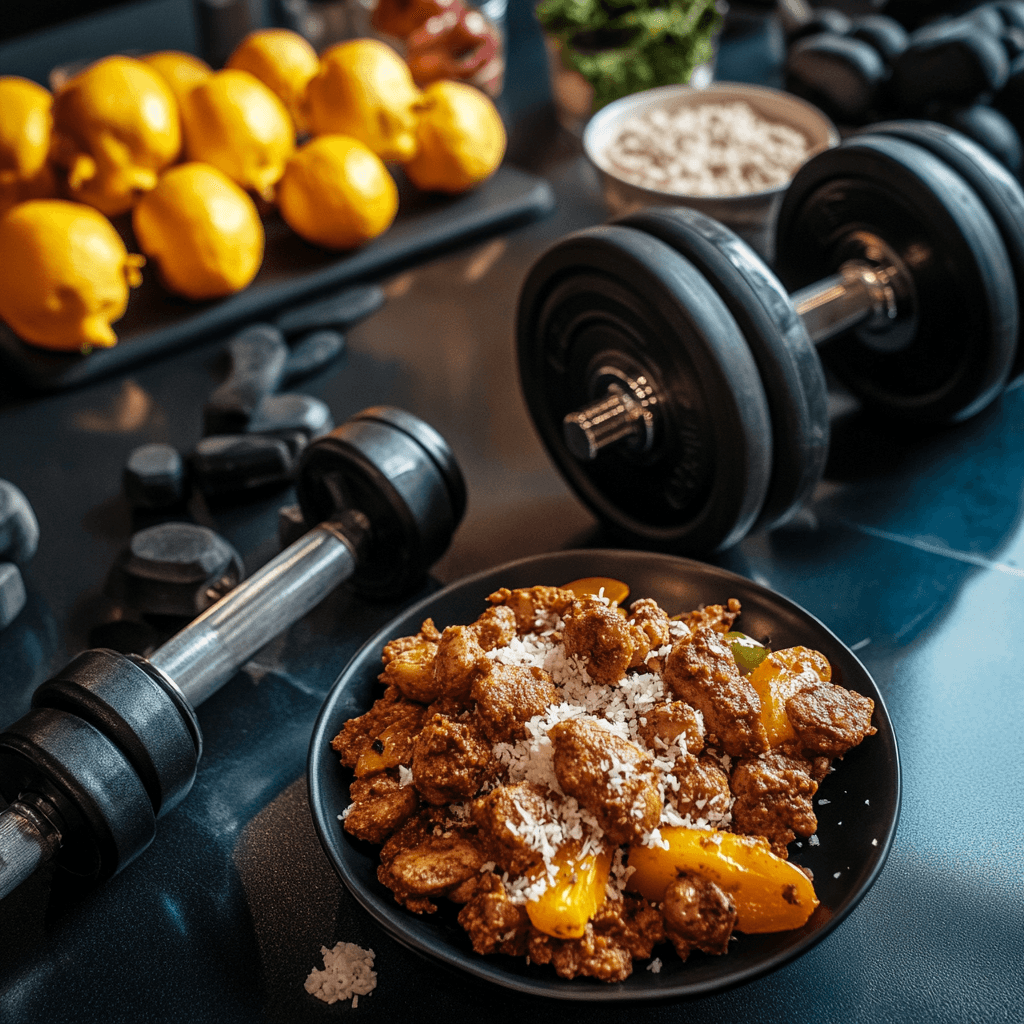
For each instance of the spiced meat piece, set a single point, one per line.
(612, 778)
(379, 806)
(703, 788)
(622, 930)
(600, 639)
(496, 627)
(391, 712)
(429, 857)
(718, 617)
(492, 921)
(535, 608)
(698, 915)
(459, 661)
(649, 616)
(702, 671)
(829, 720)
(773, 799)
(508, 696)
(505, 817)
(669, 723)
(450, 760)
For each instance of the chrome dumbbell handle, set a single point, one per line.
(203, 656)
(210, 649)
(864, 292)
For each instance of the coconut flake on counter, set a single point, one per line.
(347, 974)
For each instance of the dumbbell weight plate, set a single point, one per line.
(965, 313)
(399, 480)
(617, 299)
(996, 187)
(107, 813)
(786, 358)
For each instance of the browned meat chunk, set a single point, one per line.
(698, 915)
(379, 806)
(504, 816)
(601, 639)
(612, 778)
(773, 799)
(460, 660)
(650, 617)
(702, 671)
(431, 855)
(508, 696)
(450, 760)
(703, 788)
(666, 723)
(392, 713)
(718, 617)
(492, 921)
(830, 720)
(535, 608)
(496, 627)
(394, 648)
(620, 931)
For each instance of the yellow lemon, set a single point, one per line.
(336, 192)
(201, 230)
(233, 121)
(25, 124)
(66, 274)
(115, 127)
(181, 71)
(461, 138)
(284, 62)
(365, 90)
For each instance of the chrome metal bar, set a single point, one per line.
(859, 293)
(210, 649)
(26, 840)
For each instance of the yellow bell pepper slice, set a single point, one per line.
(770, 894)
(781, 675)
(590, 586)
(572, 899)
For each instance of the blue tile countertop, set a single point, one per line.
(911, 551)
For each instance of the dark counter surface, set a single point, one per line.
(912, 551)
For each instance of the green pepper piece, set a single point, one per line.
(747, 651)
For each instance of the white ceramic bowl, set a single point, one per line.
(752, 214)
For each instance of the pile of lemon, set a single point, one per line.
(197, 155)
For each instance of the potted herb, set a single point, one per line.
(604, 49)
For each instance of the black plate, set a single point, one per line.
(855, 830)
(293, 271)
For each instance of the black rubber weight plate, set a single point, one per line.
(614, 296)
(997, 188)
(966, 306)
(789, 365)
(864, 790)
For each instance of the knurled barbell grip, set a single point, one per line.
(210, 649)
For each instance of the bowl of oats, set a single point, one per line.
(729, 150)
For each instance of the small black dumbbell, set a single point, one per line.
(674, 379)
(955, 62)
(841, 75)
(176, 570)
(154, 477)
(113, 741)
(19, 538)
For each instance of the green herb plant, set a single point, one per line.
(624, 46)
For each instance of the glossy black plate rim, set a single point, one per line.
(427, 936)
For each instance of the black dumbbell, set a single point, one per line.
(19, 538)
(954, 62)
(675, 381)
(841, 75)
(112, 741)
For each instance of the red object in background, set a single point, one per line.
(460, 44)
(402, 17)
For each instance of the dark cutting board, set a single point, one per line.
(292, 272)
